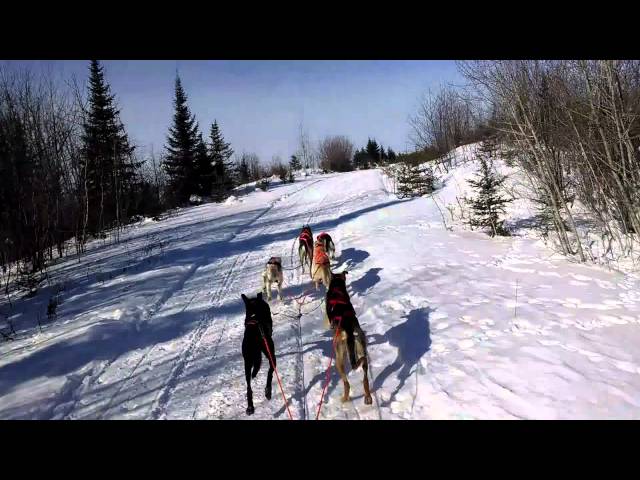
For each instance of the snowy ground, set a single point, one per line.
(459, 325)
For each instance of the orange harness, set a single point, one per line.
(319, 255)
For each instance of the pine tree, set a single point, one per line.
(362, 159)
(488, 204)
(294, 163)
(414, 180)
(391, 155)
(203, 169)
(106, 157)
(243, 170)
(182, 147)
(220, 153)
(383, 154)
(373, 151)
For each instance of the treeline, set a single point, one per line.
(573, 127)
(69, 171)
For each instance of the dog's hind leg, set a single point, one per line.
(267, 389)
(264, 285)
(280, 287)
(302, 256)
(327, 278)
(247, 374)
(365, 383)
(340, 358)
(362, 360)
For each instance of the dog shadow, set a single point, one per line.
(350, 257)
(366, 282)
(412, 338)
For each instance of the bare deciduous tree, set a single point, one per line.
(335, 153)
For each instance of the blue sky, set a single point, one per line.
(259, 104)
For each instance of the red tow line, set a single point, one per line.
(266, 344)
(326, 382)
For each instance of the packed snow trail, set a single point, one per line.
(459, 325)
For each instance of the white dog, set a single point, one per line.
(273, 274)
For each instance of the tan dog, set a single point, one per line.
(320, 268)
(351, 342)
(272, 274)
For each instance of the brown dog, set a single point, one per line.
(351, 341)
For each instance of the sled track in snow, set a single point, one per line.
(169, 293)
(162, 399)
(161, 403)
(300, 366)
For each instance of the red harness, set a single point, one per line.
(306, 239)
(337, 297)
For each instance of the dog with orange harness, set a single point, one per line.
(329, 246)
(321, 271)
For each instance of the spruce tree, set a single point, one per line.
(182, 148)
(414, 180)
(391, 155)
(106, 157)
(373, 150)
(488, 204)
(243, 170)
(204, 169)
(294, 163)
(220, 153)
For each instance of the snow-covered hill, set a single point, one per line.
(459, 325)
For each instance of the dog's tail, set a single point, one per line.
(257, 361)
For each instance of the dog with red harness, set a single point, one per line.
(329, 247)
(305, 247)
(350, 339)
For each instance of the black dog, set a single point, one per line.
(258, 327)
(339, 310)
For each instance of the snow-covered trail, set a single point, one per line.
(459, 325)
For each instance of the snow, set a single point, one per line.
(459, 325)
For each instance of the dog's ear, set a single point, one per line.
(259, 295)
(245, 299)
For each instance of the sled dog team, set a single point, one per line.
(339, 313)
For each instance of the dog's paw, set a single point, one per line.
(250, 410)
(267, 393)
(368, 400)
